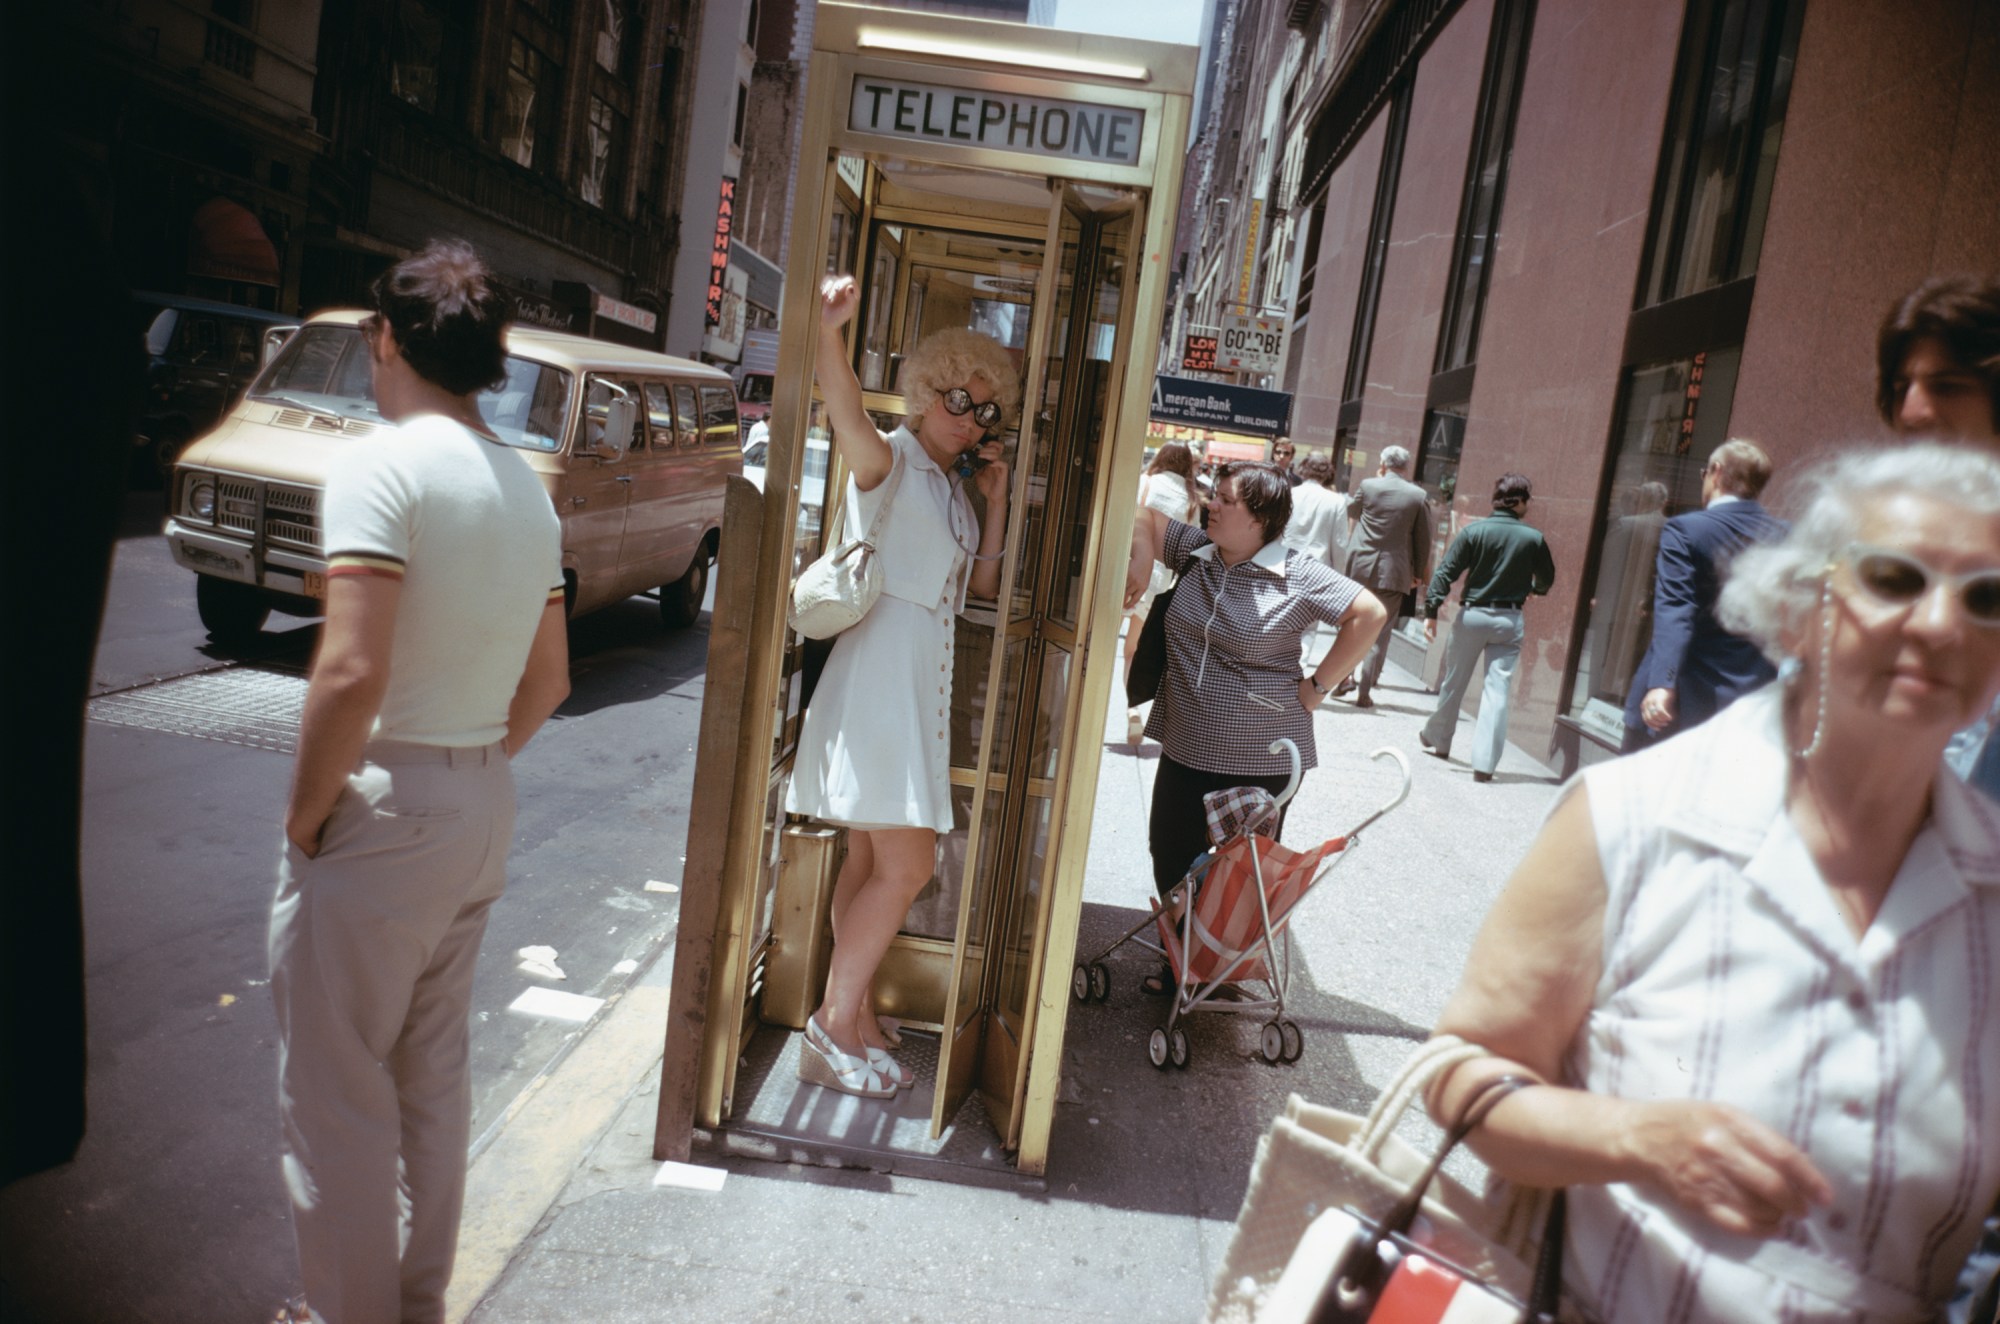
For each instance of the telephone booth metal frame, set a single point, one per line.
(895, 102)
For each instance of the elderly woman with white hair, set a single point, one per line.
(874, 754)
(1752, 973)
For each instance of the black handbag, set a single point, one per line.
(1149, 664)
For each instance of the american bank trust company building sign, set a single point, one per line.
(994, 120)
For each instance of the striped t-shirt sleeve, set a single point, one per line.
(367, 515)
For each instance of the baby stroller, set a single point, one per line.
(1234, 930)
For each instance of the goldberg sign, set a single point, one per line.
(1042, 126)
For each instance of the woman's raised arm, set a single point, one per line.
(1528, 986)
(861, 443)
(1149, 544)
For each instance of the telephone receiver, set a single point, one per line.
(968, 462)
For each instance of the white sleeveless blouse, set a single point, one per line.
(1729, 975)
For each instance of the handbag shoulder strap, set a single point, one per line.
(889, 486)
(1431, 1059)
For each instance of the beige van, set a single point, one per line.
(635, 448)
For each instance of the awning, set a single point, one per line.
(226, 242)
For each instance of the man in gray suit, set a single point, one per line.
(1389, 554)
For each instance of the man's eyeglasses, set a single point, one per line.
(1899, 580)
(958, 401)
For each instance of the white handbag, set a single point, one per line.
(836, 591)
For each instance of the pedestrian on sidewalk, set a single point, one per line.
(1504, 561)
(444, 650)
(1390, 553)
(1168, 487)
(1694, 666)
(1749, 971)
(1233, 683)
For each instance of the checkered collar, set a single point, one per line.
(1271, 556)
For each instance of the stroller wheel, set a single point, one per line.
(1100, 981)
(1156, 1047)
(1177, 1048)
(1079, 984)
(1271, 1042)
(1295, 1043)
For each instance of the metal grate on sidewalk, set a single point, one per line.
(237, 705)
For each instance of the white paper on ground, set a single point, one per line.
(690, 1176)
(541, 962)
(557, 1006)
(625, 967)
(655, 885)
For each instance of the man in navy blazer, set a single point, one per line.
(1694, 668)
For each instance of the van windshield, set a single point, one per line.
(324, 369)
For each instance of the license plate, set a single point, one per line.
(315, 585)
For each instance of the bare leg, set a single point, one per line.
(854, 872)
(903, 860)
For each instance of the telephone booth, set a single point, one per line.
(1021, 182)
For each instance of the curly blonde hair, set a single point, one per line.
(953, 357)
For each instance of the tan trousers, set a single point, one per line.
(373, 943)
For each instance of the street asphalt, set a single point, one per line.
(571, 1219)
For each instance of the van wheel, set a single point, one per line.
(233, 612)
(680, 601)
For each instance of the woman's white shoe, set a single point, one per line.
(821, 1062)
(889, 1068)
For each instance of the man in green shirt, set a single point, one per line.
(1504, 561)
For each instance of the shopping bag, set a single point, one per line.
(1315, 1160)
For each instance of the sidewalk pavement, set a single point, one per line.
(569, 1218)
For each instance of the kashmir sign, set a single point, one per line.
(1226, 408)
(1004, 121)
(718, 255)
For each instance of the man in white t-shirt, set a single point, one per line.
(444, 649)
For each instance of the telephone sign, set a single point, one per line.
(1251, 344)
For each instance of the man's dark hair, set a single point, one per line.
(1960, 312)
(1511, 491)
(447, 316)
(1315, 468)
(1263, 491)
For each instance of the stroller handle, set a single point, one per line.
(1402, 788)
(1283, 745)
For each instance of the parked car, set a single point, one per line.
(635, 449)
(200, 355)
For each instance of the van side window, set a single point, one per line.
(597, 400)
(690, 416)
(660, 415)
(718, 418)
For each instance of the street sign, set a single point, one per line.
(1251, 344)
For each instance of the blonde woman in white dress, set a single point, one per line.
(875, 751)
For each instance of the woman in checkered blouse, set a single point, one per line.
(1234, 683)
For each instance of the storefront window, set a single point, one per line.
(1671, 416)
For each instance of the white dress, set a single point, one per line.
(875, 751)
(1167, 493)
(1729, 975)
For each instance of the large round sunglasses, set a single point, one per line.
(1897, 579)
(958, 401)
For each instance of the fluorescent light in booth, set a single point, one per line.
(911, 43)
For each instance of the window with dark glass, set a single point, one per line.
(527, 70)
(1485, 184)
(612, 36)
(415, 51)
(1721, 152)
(1684, 339)
(228, 44)
(1376, 256)
(604, 138)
